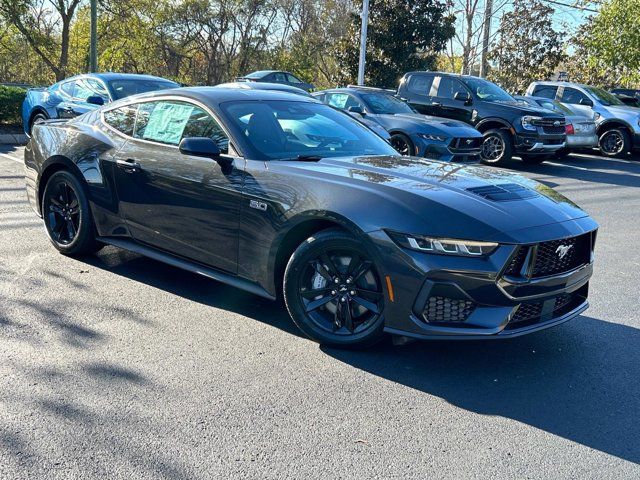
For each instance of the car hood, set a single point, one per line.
(427, 124)
(448, 199)
(518, 108)
(624, 112)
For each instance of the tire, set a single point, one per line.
(534, 159)
(37, 118)
(561, 154)
(333, 291)
(615, 142)
(67, 216)
(402, 144)
(497, 147)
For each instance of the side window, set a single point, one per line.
(171, 121)
(122, 119)
(67, 87)
(572, 96)
(292, 79)
(82, 90)
(546, 91)
(420, 84)
(449, 87)
(97, 88)
(338, 100)
(279, 77)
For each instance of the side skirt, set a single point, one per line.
(184, 264)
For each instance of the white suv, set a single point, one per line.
(618, 125)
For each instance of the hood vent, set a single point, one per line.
(504, 192)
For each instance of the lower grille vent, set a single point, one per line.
(447, 310)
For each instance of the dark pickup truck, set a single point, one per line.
(508, 126)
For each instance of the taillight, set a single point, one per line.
(568, 129)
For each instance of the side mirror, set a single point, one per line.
(95, 100)
(356, 109)
(586, 102)
(462, 97)
(199, 147)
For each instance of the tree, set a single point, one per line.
(527, 47)
(607, 47)
(46, 34)
(403, 35)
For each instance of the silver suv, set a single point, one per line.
(618, 125)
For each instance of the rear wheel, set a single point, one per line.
(37, 118)
(497, 147)
(67, 217)
(615, 142)
(402, 144)
(333, 291)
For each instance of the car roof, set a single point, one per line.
(263, 86)
(218, 95)
(262, 73)
(111, 76)
(445, 74)
(356, 89)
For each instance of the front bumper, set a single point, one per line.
(538, 142)
(448, 297)
(452, 151)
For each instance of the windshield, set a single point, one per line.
(125, 88)
(603, 96)
(384, 103)
(277, 129)
(487, 91)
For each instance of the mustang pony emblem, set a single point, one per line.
(562, 250)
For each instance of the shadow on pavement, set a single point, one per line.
(578, 381)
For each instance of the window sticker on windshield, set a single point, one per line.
(167, 122)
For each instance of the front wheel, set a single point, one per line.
(333, 291)
(402, 144)
(66, 214)
(497, 147)
(615, 142)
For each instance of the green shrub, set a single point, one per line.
(10, 103)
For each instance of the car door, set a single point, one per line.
(450, 107)
(183, 204)
(418, 90)
(83, 88)
(572, 97)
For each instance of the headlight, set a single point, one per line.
(527, 122)
(433, 138)
(443, 246)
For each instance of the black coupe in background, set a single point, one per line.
(279, 194)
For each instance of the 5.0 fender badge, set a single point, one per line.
(258, 205)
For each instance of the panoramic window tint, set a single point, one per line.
(163, 122)
(420, 84)
(546, 91)
(571, 95)
(122, 119)
(201, 124)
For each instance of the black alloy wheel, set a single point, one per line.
(65, 210)
(402, 144)
(333, 291)
(496, 147)
(614, 142)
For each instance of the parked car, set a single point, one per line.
(77, 95)
(580, 130)
(275, 193)
(617, 125)
(508, 127)
(411, 133)
(275, 76)
(628, 96)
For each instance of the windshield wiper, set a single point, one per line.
(304, 158)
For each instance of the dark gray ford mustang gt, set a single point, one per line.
(276, 194)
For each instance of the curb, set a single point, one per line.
(14, 139)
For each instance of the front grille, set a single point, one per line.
(447, 310)
(559, 256)
(553, 141)
(517, 262)
(534, 312)
(553, 130)
(464, 144)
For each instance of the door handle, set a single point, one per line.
(436, 104)
(129, 165)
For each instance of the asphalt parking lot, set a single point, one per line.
(117, 366)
